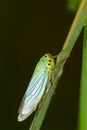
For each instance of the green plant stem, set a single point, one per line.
(82, 124)
(77, 25)
(74, 32)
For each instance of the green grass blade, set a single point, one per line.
(62, 57)
(82, 124)
(77, 26)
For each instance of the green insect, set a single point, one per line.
(38, 86)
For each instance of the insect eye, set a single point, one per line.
(48, 63)
(45, 55)
(49, 60)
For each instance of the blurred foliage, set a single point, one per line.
(73, 5)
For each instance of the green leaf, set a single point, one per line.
(82, 124)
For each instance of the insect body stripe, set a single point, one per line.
(32, 95)
(27, 97)
(33, 100)
(33, 83)
(38, 90)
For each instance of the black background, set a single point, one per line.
(28, 30)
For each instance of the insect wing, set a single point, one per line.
(33, 94)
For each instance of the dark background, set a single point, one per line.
(29, 29)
